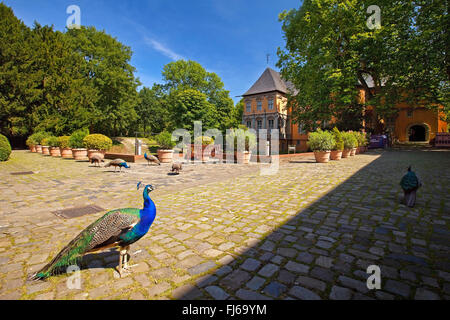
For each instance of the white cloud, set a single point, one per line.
(164, 50)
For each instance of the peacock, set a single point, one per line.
(96, 159)
(177, 167)
(152, 158)
(410, 183)
(118, 163)
(117, 228)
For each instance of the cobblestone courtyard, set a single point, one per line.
(223, 231)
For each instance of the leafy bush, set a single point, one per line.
(350, 141)
(164, 139)
(52, 141)
(97, 142)
(204, 140)
(31, 141)
(338, 141)
(243, 134)
(362, 139)
(44, 142)
(76, 139)
(39, 136)
(321, 140)
(5, 148)
(63, 142)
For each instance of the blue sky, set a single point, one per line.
(228, 37)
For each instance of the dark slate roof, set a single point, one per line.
(269, 81)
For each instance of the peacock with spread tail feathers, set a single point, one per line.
(117, 228)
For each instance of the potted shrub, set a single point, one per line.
(64, 149)
(45, 146)
(362, 142)
(31, 142)
(38, 137)
(97, 144)
(204, 141)
(349, 143)
(321, 143)
(242, 134)
(336, 152)
(54, 148)
(165, 151)
(77, 144)
(355, 146)
(5, 148)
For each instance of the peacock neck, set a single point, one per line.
(148, 213)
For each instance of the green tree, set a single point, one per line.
(152, 110)
(182, 75)
(107, 68)
(330, 49)
(191, 105)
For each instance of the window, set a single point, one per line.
(259, 106)
(300, 129)
(271, 104)
(249, 107)
(409, 113)
(270, 123)
(249, 124)
(259, 124)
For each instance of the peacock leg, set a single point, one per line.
(123, 252)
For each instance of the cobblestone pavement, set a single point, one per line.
(223, 231)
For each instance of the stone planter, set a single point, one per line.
(353, 152)
(336, 155)
(54, 152)
(165, 156)
(322, 156)
(346, 153)
(66, 153)
(46, 150)
(99, 153)
(33, 149)
(80, 154)
(39, 148)
(243, 157)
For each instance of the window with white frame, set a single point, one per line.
(259, 124)
(270, 104)
(249, 124)
(259, 106)
(270, 123)
(248, 107)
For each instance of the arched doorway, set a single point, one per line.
(418, 133)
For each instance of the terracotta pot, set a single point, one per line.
(33, 149)
(79, 154)
(336, 155)
(66, 153)
(99, 153)
(322, 156)
(165, 156)
(54, 152)
(346, 153)
(46, 150)
(353, 152)
(39, 148)
(243, 157)
(358, 150)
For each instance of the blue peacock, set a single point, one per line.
(117, 228)
(151, 158)
(410, 183)
(118, 163)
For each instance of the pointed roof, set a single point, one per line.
(269, 81)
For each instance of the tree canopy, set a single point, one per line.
(330, 51)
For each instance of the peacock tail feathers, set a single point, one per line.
(409, 181)
(90, 239)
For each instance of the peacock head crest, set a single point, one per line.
(149, 188)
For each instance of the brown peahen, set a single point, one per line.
(117, 228)
(177, 167)
(96, 159)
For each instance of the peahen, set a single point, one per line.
(152, 158)
(177, 167)
(410, 183)
(117, 228)
(118, 163)
(96, 160)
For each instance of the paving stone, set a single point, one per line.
(158, 289)
(268, 270)
(217, 292)
(311, 283)
(398, 288)
(275, 289)
(251, 264)
(255, 283)
(235, 279)
(340, 293)
(303, 293)
(424, 294)
(325, 262)
(186, 292)
(297, 267)
(250, 295)
(201, 268)
(305, 257)
(361, 286)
